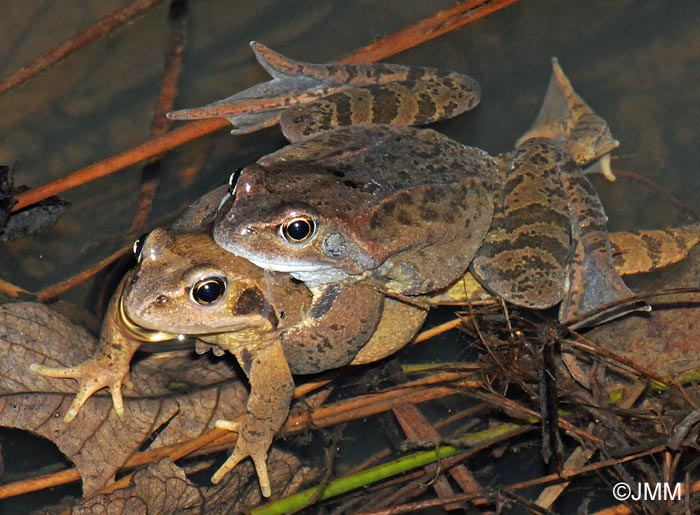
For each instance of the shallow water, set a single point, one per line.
(637, 63)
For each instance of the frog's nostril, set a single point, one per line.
(161, 300)
(247, 231)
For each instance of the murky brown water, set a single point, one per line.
(637, 63)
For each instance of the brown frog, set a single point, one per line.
(185, 284)
(386, 206)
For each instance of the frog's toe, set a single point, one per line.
(91, 377)
(259, 460)
(244, 448)
(70, 372)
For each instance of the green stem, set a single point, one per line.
(380, 472)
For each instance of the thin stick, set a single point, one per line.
(436, 25)
(78, 41)
(115, 163)
(55, 290)
(430, 28)
(151, 173)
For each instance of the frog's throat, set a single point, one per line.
(136, 331)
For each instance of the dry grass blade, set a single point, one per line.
(438, 24)
(115, 163)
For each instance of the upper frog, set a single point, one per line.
(403, 207)
(407, 210)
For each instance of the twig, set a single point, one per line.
(115, 163)
(674, 199)
(55, 290)
(81, 39)
(436, 25)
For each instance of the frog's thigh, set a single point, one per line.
(399, 324)
(592, 280)
(342, 318)
(524, 256)
(428, 269)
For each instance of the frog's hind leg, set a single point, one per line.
(566, 118)
(340, 321)
(399, 324)
(594, 290)
(523, 258)
(430, 98)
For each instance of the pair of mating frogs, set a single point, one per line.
(376, 221)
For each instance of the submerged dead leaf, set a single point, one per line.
(98, 441)
(163, 489)
(160, 489)
(27, 221)
(667, 340)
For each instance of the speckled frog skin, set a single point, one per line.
(401, 208)
(404, 210)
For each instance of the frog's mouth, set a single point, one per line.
(140, 333)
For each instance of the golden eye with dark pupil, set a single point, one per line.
(298, 229)
(209, 290)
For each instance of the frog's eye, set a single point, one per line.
(208, 290)
(138, 247)
(233, 181)
(298, 229)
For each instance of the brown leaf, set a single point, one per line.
(666, 341)
(161, 488)
(98, 441)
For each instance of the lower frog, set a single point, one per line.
(184, 284)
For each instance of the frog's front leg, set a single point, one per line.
(271, 392)
(109, 367)
(342, 318)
